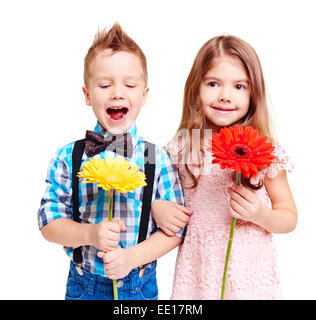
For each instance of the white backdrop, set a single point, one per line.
(43, 44)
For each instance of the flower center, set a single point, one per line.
(241, 151)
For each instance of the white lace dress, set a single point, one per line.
(252, 272)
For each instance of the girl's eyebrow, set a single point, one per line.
(219, 80)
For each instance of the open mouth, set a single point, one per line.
(117, 113)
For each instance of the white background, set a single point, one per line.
(43, 44)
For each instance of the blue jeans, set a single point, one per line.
(94, 287)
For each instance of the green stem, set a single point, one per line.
(110, 219)
(229, 247)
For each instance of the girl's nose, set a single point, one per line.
(224, 96)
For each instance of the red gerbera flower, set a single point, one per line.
(242, 150)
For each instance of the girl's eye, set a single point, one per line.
(240, 87)
(212, 84)
(130, 86)
(104, 86)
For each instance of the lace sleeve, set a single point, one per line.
(174, 150)
(281, 162)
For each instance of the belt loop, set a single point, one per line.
(91, 285)
(131, 279)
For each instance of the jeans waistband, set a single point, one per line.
(132, 282)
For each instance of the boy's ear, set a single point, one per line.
(145, 93)
(86, 95)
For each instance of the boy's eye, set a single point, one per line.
(212, 84)
(104, 86)
(130, 86)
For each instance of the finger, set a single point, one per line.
(108, 258)
(237, 207)
(110, 266)
(113, 276)
(239, 199)
(168, 231)
(113, 236)
(114, 226)
(121, 223)
(183, 218)
(184, 209)
(247, 194)
(110, 246)
(234, 214)
(174, 229)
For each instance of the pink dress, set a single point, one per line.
(252, 271)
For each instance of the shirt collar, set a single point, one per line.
(132, 130)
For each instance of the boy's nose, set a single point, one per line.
(117, 92)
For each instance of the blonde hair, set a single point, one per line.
(192, 113)
(117, 40)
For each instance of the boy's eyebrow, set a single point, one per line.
(218, 79)
(108, 78)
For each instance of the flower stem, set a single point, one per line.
(111, 205)
(110, 219)
(229, 247)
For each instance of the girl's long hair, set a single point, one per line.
(192, 114)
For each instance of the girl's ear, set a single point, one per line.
(86, 95)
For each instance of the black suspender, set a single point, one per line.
(77, 153)
(149, 161)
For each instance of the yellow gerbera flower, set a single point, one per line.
(114, 173)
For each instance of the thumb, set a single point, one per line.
(101, 254)
(121, 223)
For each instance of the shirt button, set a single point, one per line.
(120, 283)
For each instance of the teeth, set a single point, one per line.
(117, 107)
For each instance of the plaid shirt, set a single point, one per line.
(94, 201)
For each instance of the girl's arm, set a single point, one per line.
(281, 218)
(170, 216)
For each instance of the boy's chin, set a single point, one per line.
(117, 128)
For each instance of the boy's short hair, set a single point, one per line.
(117, 40)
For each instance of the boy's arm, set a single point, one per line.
(120, 262)
(104, 236)
(54, 215)
(168, 209)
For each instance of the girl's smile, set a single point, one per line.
(225, 93)
(223, 110)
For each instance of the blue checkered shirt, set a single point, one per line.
(94, 201)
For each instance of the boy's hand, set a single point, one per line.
(170, 216)
(105, 235)
(245, 205)
(116, 263)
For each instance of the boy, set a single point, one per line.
(115, 85)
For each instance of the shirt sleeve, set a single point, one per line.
(57, 200)
(169, 185)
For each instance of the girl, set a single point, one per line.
(226, 87)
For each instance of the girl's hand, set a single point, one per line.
(170, 216)
(116, 263)
(245, 205)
